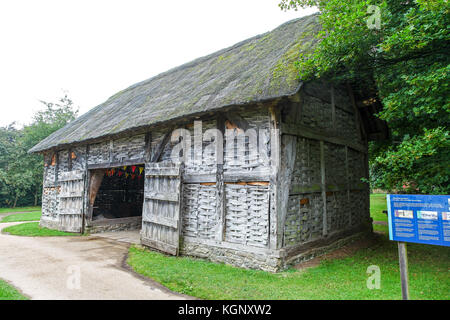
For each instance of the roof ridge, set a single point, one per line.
(199, 60)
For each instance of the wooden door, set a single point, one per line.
(162, 205)
(71, 201)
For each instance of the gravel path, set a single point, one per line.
(75, 268)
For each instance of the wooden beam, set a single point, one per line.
(56, 167)
(111, 150)
(148, 147)
(160, 148)
(238, 120)
(359, 128)
(69, 160)
(306, 132)
(200, 178)
(107, 165)
(245, 176)
(96, 180)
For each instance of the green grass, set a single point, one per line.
(377, 205)
(8, 292)
(20, 209)
(29, 216)
(333, 279)
(33, 229)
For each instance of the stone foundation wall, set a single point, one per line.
(133, 224)
(271, 261)
(234, 257)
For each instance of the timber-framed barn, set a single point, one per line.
(301, 194)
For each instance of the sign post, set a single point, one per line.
(403, 261)
(419, 219)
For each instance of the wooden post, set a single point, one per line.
(221, 211)
(148, 147)
(403, 261)
(333, 108)
(87, 212)
(275, 149)
(347, 177)
(323, 188)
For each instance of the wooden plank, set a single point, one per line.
(164, 221)
(71, 195)
(171, 197)
(306, 132)
(161, 246)
(71, 212)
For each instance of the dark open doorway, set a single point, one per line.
(117, 195)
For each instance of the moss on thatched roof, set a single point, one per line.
(257, 69)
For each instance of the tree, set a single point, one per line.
(398, 50)
(21, 172)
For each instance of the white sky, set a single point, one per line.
(93, 49)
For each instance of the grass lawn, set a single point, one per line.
(343, 278)
(8, 292)
(377, 205)
(29, 216)
(33, 229)
(21, 209)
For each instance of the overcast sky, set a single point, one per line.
(93, 49)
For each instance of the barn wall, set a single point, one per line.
(55, 165)
(245, 219)
(326, 195)
(239, 212)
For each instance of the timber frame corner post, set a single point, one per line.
(275, 227)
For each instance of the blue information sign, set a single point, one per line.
(419, 218)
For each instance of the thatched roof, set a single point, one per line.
(257, 69)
